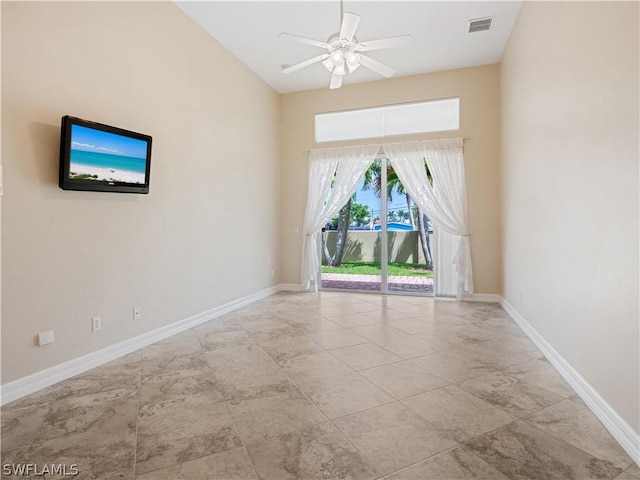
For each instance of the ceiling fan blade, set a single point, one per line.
(349, 26)
(336, 81)
(299, 39)
(306, 63)
(376, 66)
(391, 42)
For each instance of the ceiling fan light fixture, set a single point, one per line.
(329, 64)
(339, 69)
(337, 56)
(353, 59)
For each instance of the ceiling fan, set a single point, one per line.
(343, 51)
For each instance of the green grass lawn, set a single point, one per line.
(373, 268)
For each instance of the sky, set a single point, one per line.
(92, 140)
(368, 197)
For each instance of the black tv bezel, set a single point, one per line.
(67, 183)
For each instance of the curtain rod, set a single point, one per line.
(382, 144)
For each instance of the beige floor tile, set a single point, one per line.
(337, 339)
(495, 357)
(521, 451)
(542, 374)
(512, 394)
(402, 379)
(285, 348)
(348, 320)
(625, 476)
(19, 425)
(312, 325)
(89, 413)
(165, 349)
(453, 410)
(345, 394)
(220, 324)
(365, 355)
(634, 471)
(260, 418)
(392, 339)
(225, 339)
(163, 369)
(233, 464)
(468, 335)
(575, 424)
(306, 368)
(183, 411)
(133, 357)
(312, 453)
(392, 437)
(246, 372)
(458, 464)
(412, 325)
(105, 451)
(184, 392)
(452, 366)
(387, 316)
(180, 435)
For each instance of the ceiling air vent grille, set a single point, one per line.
(480, 24)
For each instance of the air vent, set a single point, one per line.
(480, 24)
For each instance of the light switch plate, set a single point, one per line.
(45, 338)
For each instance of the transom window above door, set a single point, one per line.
(385, 121)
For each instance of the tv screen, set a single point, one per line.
(102, 158)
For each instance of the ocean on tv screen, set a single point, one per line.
(103, 156)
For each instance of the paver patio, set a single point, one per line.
(344, 281)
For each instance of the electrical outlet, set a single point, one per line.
(96, 324)
(137, 313)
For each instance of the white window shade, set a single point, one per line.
(379, 122)
(435, 116)
(349, 125)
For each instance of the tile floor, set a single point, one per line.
(323, 386)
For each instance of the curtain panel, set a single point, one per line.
(334, 174)
(445, 203)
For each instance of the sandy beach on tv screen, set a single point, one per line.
(104, 174)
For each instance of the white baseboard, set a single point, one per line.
(481, 297)
(619, 429)
(290, 287)
(32, 383)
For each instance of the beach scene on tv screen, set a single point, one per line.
(106, 157)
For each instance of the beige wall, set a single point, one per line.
(205, 235)
(478, 92)
(569, 115)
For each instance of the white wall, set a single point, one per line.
(569, 124)
(207, 232)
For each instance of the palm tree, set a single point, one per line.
(373, 178)
(344, 218)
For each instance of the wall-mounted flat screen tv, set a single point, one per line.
(103, 158)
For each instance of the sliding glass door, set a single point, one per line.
(379, 241)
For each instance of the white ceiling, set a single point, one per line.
(440, 39)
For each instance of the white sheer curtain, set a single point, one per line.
(334, 174)
(446, 202)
